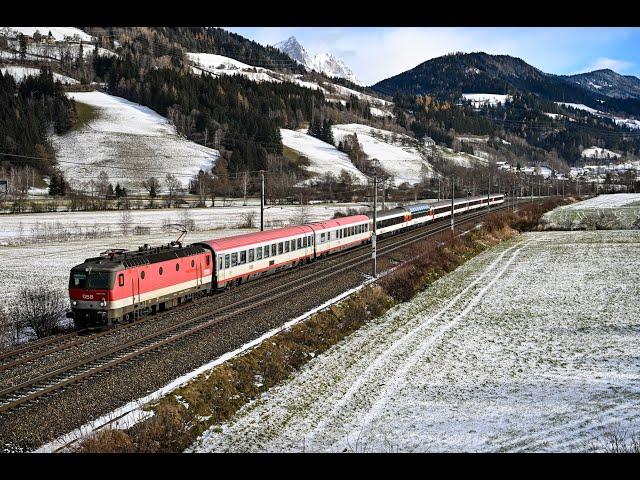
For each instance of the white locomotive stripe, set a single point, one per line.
(160, 292)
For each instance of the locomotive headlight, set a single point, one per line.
(103, 303)
(74, 303)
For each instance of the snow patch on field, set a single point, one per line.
(128, 141)
(503, 354)
(600, 153)
(482, 99)
(324, 158)
(20, 73)
(398, 154)
(617, 211)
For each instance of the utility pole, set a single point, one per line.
(262, 200)
(453, 186)
(374, 234)
(489, 193)
(245, 174)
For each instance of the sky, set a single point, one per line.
(377, 53)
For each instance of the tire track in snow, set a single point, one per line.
(584, 424)
(380, 360)
(401, 373)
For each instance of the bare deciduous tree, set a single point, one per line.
(38, 310)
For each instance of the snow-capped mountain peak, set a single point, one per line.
(292, 47)
(322, 62)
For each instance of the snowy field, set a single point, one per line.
(597, 152)
(481, 99)
(20, 229)
(609, 212)
(20, 73)
(34, 245)
(504, 354)
(398, 154)
(322, 156)
(130, 142)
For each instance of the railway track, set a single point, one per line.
(44, 384)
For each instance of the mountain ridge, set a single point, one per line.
(322, 62)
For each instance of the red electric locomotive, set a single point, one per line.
(123, 285)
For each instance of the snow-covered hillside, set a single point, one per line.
(128, 141)
(19, 73)
(482, 99)
(221, 65)
(58, 33)
(323, 157)
(399, 155)
(630, 123)
(599, 153)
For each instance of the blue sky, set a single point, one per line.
(376, 53)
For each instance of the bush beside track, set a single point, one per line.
(216, 396)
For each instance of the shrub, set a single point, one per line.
(40, 309)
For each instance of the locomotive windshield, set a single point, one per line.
(97, 280)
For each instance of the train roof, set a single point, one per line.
(245, 239)
(338, 222)
(145, 255)
(460, 200)
(418, 207)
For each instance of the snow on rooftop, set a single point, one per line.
(130, 142)
(397, 153)
(323, 156)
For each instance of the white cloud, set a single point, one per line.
(616, 65)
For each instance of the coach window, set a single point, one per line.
(234, 259)
(273, 249)
(266, 251)
(243, 257)
(227, 261)
(219, 262)
(160, 270)
(251, 255)
(280, 248)
(286, 246)
(121, 279)
(259, 253)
